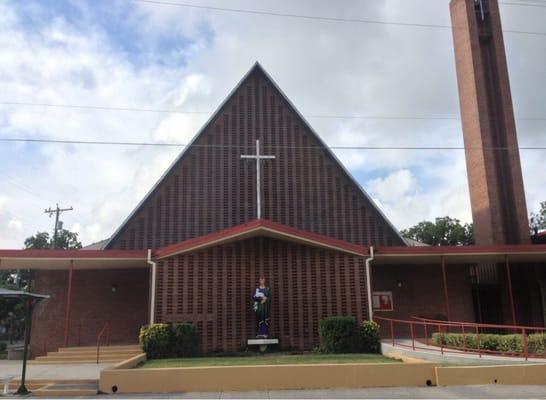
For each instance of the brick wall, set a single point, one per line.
(93, 303)
(211, 188)
(213, 289)
(421, 292)
(495, 180)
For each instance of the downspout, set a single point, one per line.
(152, 289)
(369, 284)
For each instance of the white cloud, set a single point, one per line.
(326, 68)
(15, 225)
(395, 185)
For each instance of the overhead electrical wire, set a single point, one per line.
(157, 144)
(175, 111)
(313, 17)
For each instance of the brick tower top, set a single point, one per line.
(495, 180)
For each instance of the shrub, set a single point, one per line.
(156, 340)
(537, 343)
(338, 335)
(3, 347)
(369, 337)
(186, 340)
(510, 343)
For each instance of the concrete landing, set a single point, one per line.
(433, 354)
(53, 371)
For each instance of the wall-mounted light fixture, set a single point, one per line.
(114, 288)
(399, 284)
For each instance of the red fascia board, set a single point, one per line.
(257, 224)
(469, 250)
(75, 254)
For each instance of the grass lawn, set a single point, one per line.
(267, 359)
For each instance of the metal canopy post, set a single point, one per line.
(28, 325)
(510, 292)
(446, 296)
(68, 304)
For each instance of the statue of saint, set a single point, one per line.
(262, 308)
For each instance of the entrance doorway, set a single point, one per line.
(488, 304)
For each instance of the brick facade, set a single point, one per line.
(495, 180)
(418, 291)
(213, 289)
(211, 188)
(93, 303)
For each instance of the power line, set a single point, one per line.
(313, 17)
(174, 111)
(540, 5)
(113, 143)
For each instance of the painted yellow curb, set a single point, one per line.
(533, 374)
(265, 377)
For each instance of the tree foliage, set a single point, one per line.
(42, 240)
(445, 231)
(537, 221)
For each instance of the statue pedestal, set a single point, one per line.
(263, 343)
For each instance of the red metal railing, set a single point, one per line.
(104, 333)
(417, 332)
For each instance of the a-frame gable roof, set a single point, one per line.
(214, 117)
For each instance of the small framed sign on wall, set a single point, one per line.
(382, 301)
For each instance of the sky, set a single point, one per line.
(131, 54)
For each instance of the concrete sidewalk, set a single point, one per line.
(450, 356)
(454, 392)
(52, 371)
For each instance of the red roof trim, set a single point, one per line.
(446, 250)
(263, 226)
(75, 254)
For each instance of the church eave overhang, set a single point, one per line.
(259, 228)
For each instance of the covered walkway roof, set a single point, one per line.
(80, 259)
(114, 259)
(522, 253)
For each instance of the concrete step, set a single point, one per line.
(35, 384)
(127, 354)
(67, 390)
(80, 361)
(129, 347)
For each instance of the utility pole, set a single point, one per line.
(56, 211)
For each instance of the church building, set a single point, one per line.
(258, 193)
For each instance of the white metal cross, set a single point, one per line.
(258, 157)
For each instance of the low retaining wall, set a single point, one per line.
(483, 375)
(131, 362)
(265, 377)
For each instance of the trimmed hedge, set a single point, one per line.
(156, 340)
(166, 340)
(342, 334)
(369, 337)
(338, 335)
(186, 340)
(536, 343)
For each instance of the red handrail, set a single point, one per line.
(445, 326)
(474, 324)
(104, 331)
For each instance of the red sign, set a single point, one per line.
(382, 301)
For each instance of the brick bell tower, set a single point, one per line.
(495, 180)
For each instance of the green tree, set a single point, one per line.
(65, 240)
(445, 231)
(537, 221)
(38, 241)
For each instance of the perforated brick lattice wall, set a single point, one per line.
(212, 188)
(213, 289)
